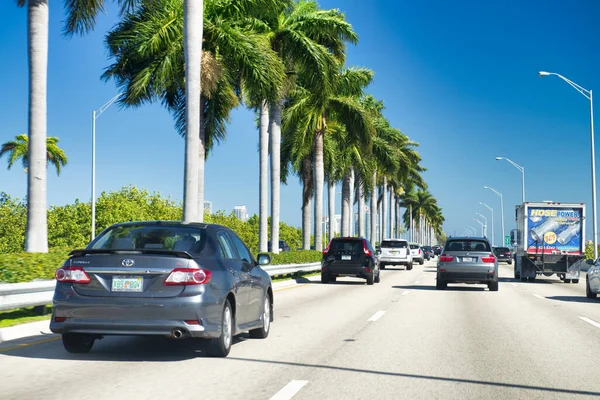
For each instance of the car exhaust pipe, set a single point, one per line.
(177, 333)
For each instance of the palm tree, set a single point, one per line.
(311, 43)
(19, 149)
(236, 60)
(81, 18)
(309, 112)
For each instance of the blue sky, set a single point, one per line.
(460, 78)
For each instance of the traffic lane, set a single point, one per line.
(465, 342)
(569, 296)
(310, 320)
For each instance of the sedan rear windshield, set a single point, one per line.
(355, 246)
(502, 250)
(468, 245)
(394, 244)
(414, 246)
(137, 237)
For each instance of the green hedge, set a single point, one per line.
(69, 228)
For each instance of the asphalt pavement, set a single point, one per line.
(398, 339)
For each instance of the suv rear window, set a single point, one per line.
(502, 249)
(467, 245)
(394, 244)
(414, 246)
(355, 246)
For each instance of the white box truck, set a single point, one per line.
(549, 240)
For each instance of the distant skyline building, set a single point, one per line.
(241, 213)
(208, 206)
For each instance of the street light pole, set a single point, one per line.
(492, 210)
(474, 230)
(517, 166)
(485, 219)
(588, 95)
(96, 114)
(482, 225)
(501, 209)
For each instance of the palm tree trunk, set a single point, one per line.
(411, 229)
(275, 133)
(306, 213)
(351, 219)
(362, 231)
(392, 214)
(331, 212)
(263, 196)
(36, 236)
(319, 183)
(346, 205)
(201, 162)
(373, 209)
(384, 209)
(192, 33)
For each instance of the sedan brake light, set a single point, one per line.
(368, 252)
(326, 251)
(445, 258)
(489, 259)
(188, 276)
(72, 274)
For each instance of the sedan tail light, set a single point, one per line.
(368, 252)
(188, 276)
(445, 258)
(489, 259)
(326, 251)
(72, 274)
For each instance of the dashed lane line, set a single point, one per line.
(538, 296)
(289, 390)
(376, 316)
(405, 292)
(590, 321)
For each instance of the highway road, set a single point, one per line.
(399, 339)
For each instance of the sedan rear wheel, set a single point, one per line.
(77, 342)
(263, 332)
(220, 347)
(493, 286)
(588, 291)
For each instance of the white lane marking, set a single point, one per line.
(289, 390)
(376, 316)
(590, 321)
(514, 284)
(538, 296)
(405, 292)
(417, 281)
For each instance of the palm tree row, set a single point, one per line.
(283, 59)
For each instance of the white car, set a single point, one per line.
(394, 252)
(417, 253)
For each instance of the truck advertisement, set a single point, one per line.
(554, 230)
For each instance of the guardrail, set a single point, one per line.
(31, 294)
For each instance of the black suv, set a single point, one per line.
(348, 256)
(283, 246)
(503, 254)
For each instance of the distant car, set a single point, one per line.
(437, 250)
(162, 278)
(467, 260)
(592, 281)
(283, 246)
(394, 252)
(503, 254)
(427, 252)
(417, 253)
(349, 256)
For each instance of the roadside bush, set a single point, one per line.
(69, 227)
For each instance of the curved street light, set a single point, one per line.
(588, 95)
(517, 166)
(485, 223)
(492, 210)
(501, 208)
(482, 225)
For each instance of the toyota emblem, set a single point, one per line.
(128, 262)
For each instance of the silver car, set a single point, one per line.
(467, 260)
(162, 278)
(592, 281)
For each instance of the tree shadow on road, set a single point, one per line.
(575, 299)
(455, 288)
(423, 377)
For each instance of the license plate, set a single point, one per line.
(467, 259)
(127, 284)
(346, 257)
(394, 252)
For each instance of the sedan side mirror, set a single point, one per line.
(264, 259)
